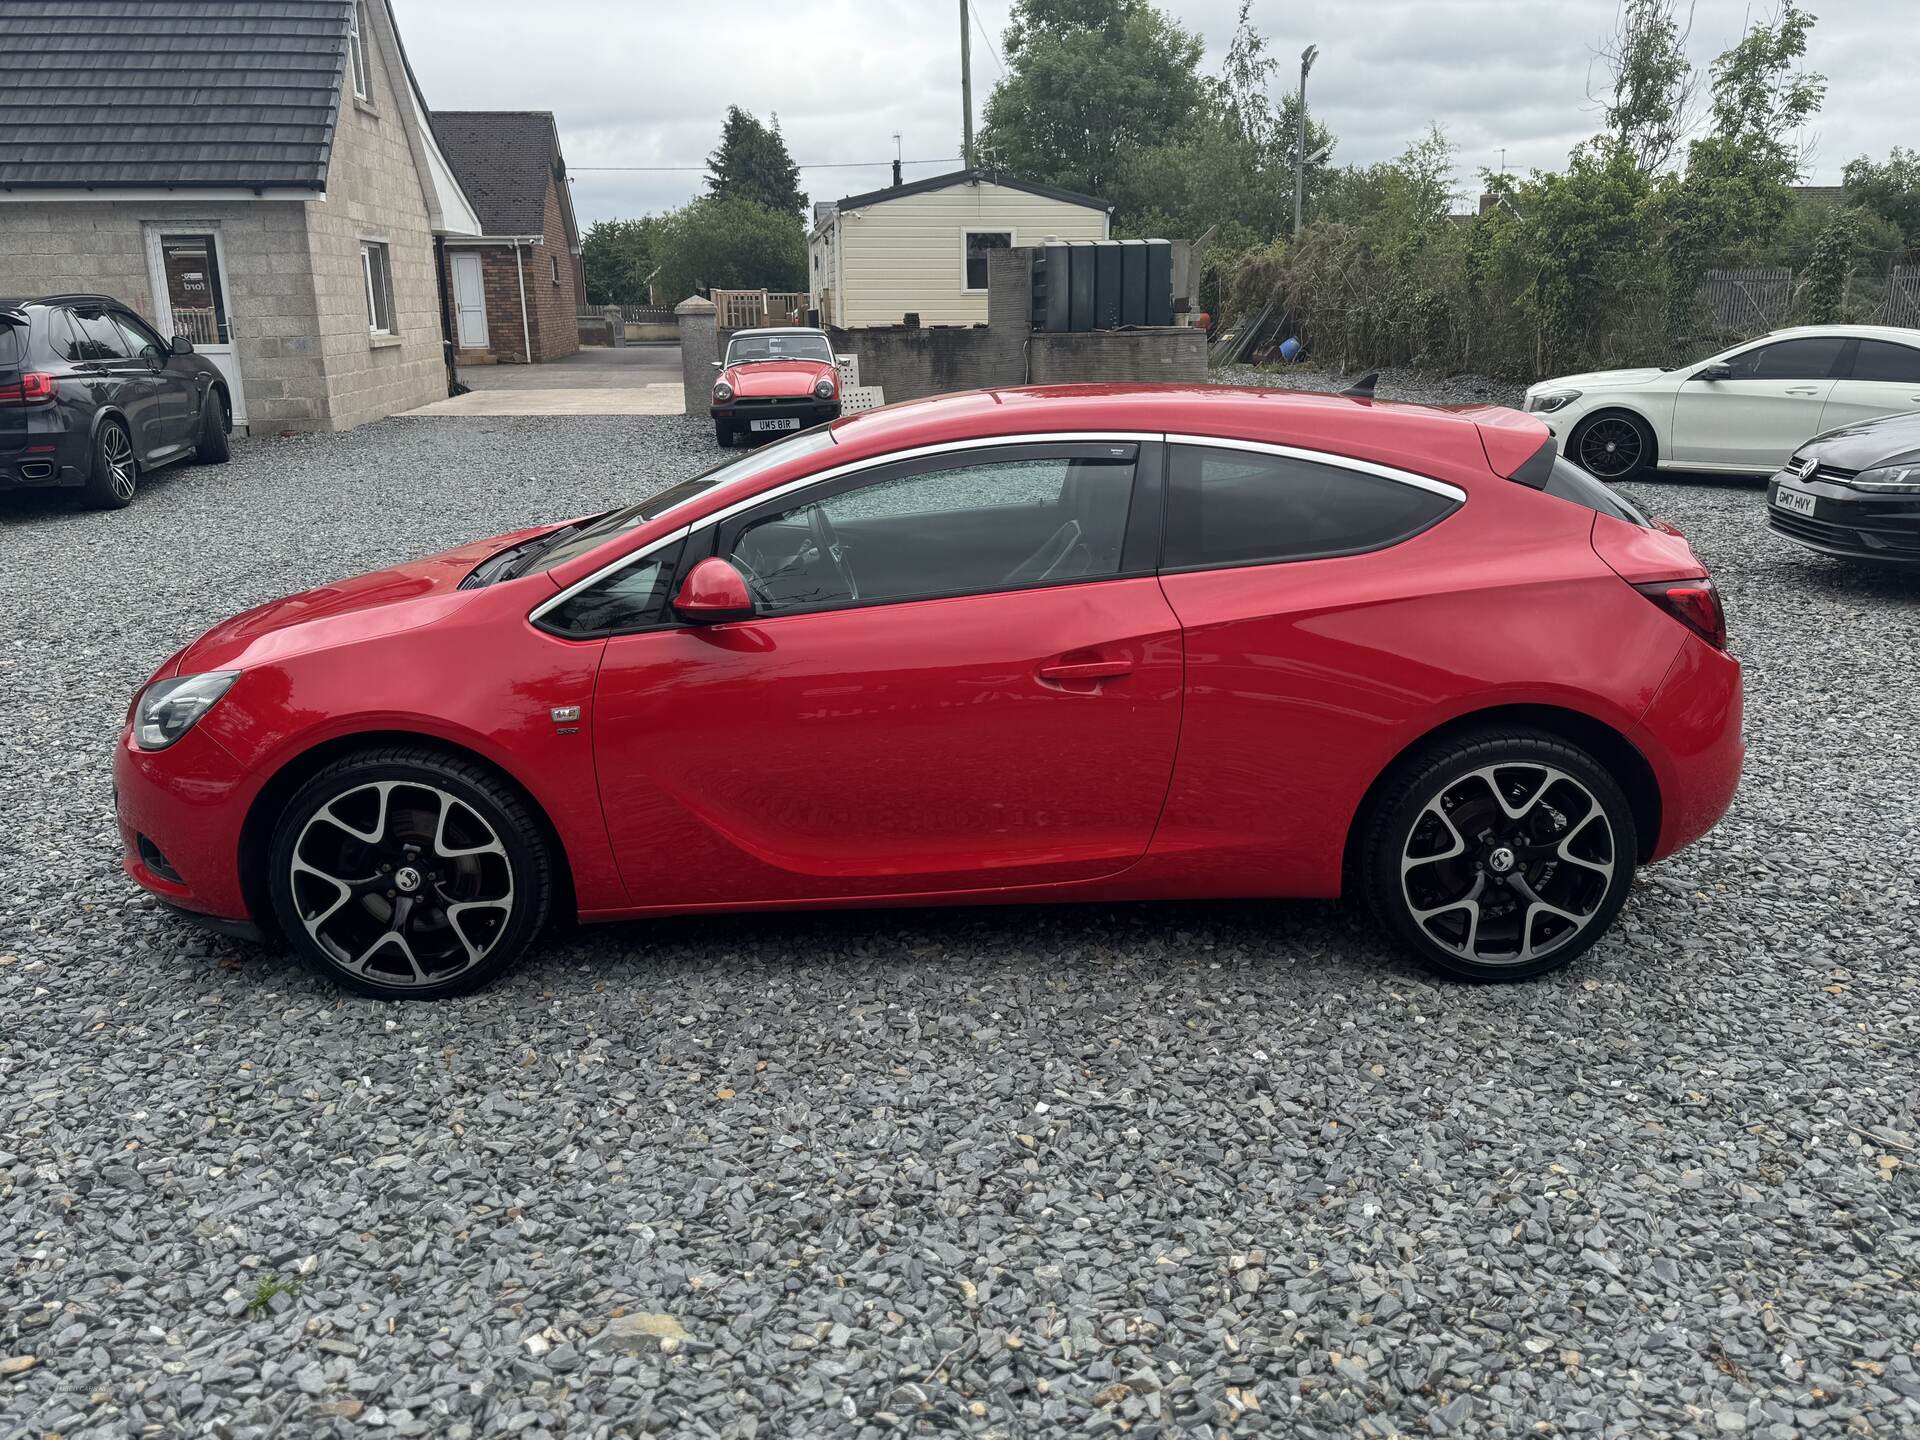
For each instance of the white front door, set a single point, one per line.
(187, 264)
(1769, 404)
(469, 300)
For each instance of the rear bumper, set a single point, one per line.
(44, 461)
(1691, 736)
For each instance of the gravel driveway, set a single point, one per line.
(1189, 1170)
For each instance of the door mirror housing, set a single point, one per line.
(717, 365)
(1717, 371)
(182, 345)
(713, 593)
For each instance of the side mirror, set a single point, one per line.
(712, 593)
(182, 345)
(716, 365)
(1713, 372)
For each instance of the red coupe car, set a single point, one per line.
(774, 380)
(1090, 643)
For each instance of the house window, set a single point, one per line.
(373, 260)
(975, 246)
(357, 49)
(554, 261)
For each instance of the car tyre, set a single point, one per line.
(1613, 445)
(1525, 893)
(410, 842)
(726, 434)
(210, 446)
(114, 474)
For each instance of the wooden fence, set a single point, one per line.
(746, 309)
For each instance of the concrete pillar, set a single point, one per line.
(616, 325)
(699, 325)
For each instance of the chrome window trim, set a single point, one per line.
(819, 477)
(1322, 457)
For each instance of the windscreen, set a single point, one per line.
(799, 346)
(754, 462)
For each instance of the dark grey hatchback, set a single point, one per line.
(1854, 492)
(91, 396)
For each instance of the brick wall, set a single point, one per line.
(552, 318)
(374, 193)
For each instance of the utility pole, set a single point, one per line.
(966, 88)
(1300, 146)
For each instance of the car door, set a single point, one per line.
(118, 378)
(1769, 403)
(1884, 380)
(963, 675)
(176, 393)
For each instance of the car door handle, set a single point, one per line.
(1086, 670)
(1806, 390)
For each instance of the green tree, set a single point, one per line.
(731, 243)
(1088, 82)
(1891, 191)
(1832, 262)
(1649, 103)
(752, 163)
(618, 255)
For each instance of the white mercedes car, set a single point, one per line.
(1740, 412)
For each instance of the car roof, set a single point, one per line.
(1901, 333)
(20, 302)
(1446, 442)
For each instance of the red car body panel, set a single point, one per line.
(1201, 733)
(766, 379)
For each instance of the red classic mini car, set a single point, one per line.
(773, 380)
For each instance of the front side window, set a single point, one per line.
(1887, 363)
(373, 260)
(957, 528)
(980, 244)
(628, 599)
(1805, 359)
(138, 338)
(357, 50)
(1240, 507)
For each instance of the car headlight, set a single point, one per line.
(722, 390)
(167, 709)
(823, 387)
(1548, 401)
(1889, 480)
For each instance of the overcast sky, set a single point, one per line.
(646, 82)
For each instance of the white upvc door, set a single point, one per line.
(187, 265)
(469, 300)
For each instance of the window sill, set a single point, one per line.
(366, 107)
(382, 342)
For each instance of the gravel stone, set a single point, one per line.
(1647, 1195)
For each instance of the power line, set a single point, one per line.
(820, 165)
(981, 26)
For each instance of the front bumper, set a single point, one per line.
(808, 411)
(1849, 522)
(187, 803)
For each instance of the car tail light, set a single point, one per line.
(35, 386)
(1695, 604)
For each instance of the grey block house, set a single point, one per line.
(258, 175)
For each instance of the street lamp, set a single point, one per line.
(1307, 57)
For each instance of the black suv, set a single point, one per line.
(90, 396)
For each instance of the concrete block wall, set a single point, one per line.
(1171, 354)
(374, 193)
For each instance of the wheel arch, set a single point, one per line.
(1609, 746)
(256, 831)
(1616, 407)
(102, 415)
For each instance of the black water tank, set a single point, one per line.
(1080, 285)
(1159, 282)
(1059, 286)
(1106, 284)
(1133, 282)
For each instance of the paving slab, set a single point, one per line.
(652, 399)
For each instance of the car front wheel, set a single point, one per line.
(1499, 854)
(408, 874)
(1613, 446)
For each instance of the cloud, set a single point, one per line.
(645, 82)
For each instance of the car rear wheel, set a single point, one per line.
(408, 874)
(115, 473)
(1499, 854)
(1613, 446)
(210, 445)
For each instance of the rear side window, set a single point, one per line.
(1239, 507)
(1568, 481)
(96, 337)
(1884, 361)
